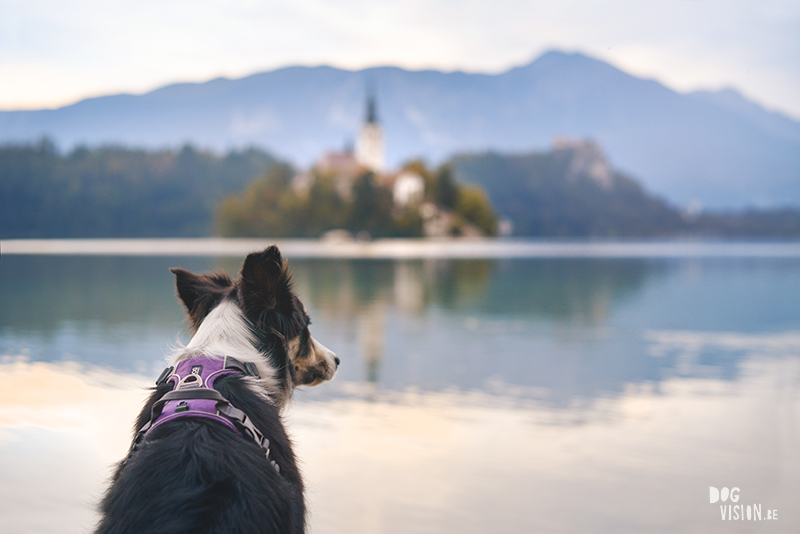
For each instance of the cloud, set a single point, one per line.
(93, 46)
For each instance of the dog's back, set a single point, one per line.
(198, 476)
(229, 467)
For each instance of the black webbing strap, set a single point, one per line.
(185, 394)
(246, 368)
(247, 428)
(198, 393)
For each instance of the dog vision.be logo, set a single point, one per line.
(735, 511)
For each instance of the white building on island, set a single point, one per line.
(408, 188)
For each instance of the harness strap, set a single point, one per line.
(246, 368)
(186, 394)
(247, 428)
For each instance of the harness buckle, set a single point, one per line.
(165, 374)
(190, 381)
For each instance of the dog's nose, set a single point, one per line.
(336, 359)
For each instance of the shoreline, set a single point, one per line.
(403, 248)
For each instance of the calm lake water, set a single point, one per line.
(517, 395)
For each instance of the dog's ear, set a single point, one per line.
(265, 279)
(200, 292)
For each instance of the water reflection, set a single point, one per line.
(469, 324)
(566, 290)
(41, 292)
(110, 311)
(563, 331)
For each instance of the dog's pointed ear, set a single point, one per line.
(200, 292)
(187, 284)
(264, 278)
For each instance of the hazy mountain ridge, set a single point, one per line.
(715, 148)
(771, 122)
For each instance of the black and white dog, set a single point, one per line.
(210, 452)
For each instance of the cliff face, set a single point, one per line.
(586, 161)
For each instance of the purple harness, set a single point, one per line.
(193, 395)
(197, 375)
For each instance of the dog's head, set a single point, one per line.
(257, 317)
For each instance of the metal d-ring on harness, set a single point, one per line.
(194, 396)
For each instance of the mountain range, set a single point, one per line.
(710, 149)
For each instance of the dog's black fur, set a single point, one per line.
(197, 476)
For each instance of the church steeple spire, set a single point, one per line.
(372, 115)
(369, 147)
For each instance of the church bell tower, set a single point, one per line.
(370, 152)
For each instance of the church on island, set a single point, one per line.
(369, 155)
(353, 192)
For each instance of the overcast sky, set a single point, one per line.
(54, 52)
